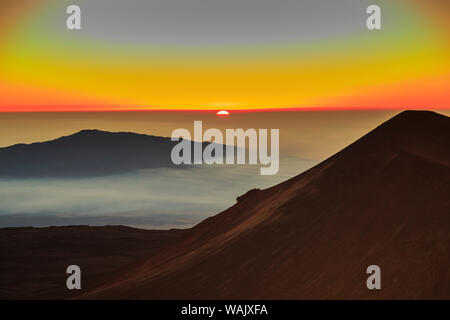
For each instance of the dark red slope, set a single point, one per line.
(34, 260)
(383, 200)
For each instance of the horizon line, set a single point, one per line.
(231, 110)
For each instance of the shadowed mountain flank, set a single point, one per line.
(34, 260)
(382, 201)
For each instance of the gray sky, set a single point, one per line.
(219, 22)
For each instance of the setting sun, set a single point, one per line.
(222, 113)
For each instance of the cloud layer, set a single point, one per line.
(147, 198)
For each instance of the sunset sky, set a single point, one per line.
(234, 54)
(309, 68)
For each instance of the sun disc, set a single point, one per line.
(223, 113)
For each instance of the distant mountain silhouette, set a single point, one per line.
(383, 200)
(86, 153)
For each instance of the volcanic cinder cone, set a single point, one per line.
(383, 200)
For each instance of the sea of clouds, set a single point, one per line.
(153, 199)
